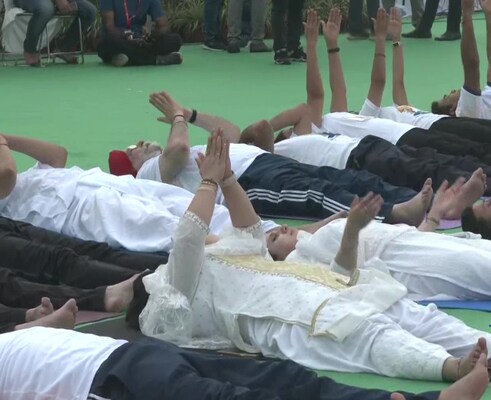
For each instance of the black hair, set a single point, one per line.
(471, 223)
(281, 136)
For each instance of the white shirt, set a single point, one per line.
(472, 106)
(360, 126)
(405, 114)
(328, 149)
(47, 364)
(241, 157)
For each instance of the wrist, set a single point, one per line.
(228, 181)
(434, 219)
(331, 43)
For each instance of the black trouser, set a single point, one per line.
(446, 143)
(429, 15)
(410, 167)
(139, 53)
(10, 317)
(49, 257)
(355, 14)
(279, 186)
(151, 369)
(476, 129)
(19, 292)
(286, 20)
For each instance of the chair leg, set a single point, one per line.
(81, 39)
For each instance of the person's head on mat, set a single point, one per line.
(129, 161)
(477, 219)
(447, 105)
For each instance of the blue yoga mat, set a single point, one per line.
(461, 304)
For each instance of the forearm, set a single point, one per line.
(44, 152)
(263, 140)
(431, 222)
(8, 170)
(315, 87)
(336, 79)
(347, 256)
(377, 82)
(241, 211)
(469, 54)
(210, 122)
(314, 226)
(399, 95)
(203, 203)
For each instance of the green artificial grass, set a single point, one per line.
(92, 108)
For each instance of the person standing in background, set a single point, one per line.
(423, 30)
(212, 26)
(286, 20)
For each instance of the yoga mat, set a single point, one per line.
(84, 317)
(461, 304)
(449, 224)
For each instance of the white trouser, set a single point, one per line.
(407, 341)
(434, 264)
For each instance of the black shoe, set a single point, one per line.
(169, 59)
(259, 47)
(449, 36)
(281, 57)
(297, 55)
(361, 35)
(417, 34)
(233, 46)
(213, 45)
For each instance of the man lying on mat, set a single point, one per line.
(233, 293)
(277, 186)
(83, 366)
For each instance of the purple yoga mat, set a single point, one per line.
(450, 224)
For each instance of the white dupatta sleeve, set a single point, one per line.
(172, 286)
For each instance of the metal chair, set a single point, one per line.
(52, 29)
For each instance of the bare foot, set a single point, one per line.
(31, 58)
(468, 194)
(467, 364)
(413, 211)
(64, 318)
(118, 297)
(470, 387)
(45, 308)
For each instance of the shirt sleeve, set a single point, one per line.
(155, 10)
(106, 5)
(370, 109)
(469, 104)
(150, 170)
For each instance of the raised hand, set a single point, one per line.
(214, 163)
(363, 211)
(163, 102)
(395, 24)
(331, 28)
(380, 24)
(312, 26)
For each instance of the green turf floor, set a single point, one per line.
(93, 108)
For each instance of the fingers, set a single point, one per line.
(443, 187)
(459, 182)
(355, 202)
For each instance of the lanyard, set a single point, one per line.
(128, 18)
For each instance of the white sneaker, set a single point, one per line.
(119, 60)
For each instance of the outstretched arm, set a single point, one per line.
(8, 170)
(44, 152)
(205, 121)
(468, 49)
(486, 7)
(399, 95)
(315, 87)
(377, 82)
(330, 30)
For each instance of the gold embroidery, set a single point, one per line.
(307, 272)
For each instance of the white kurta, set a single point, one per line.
(430, 265)
(209, 300)
(139, 215)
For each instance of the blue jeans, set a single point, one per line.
(212, 23)
(43, 11)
